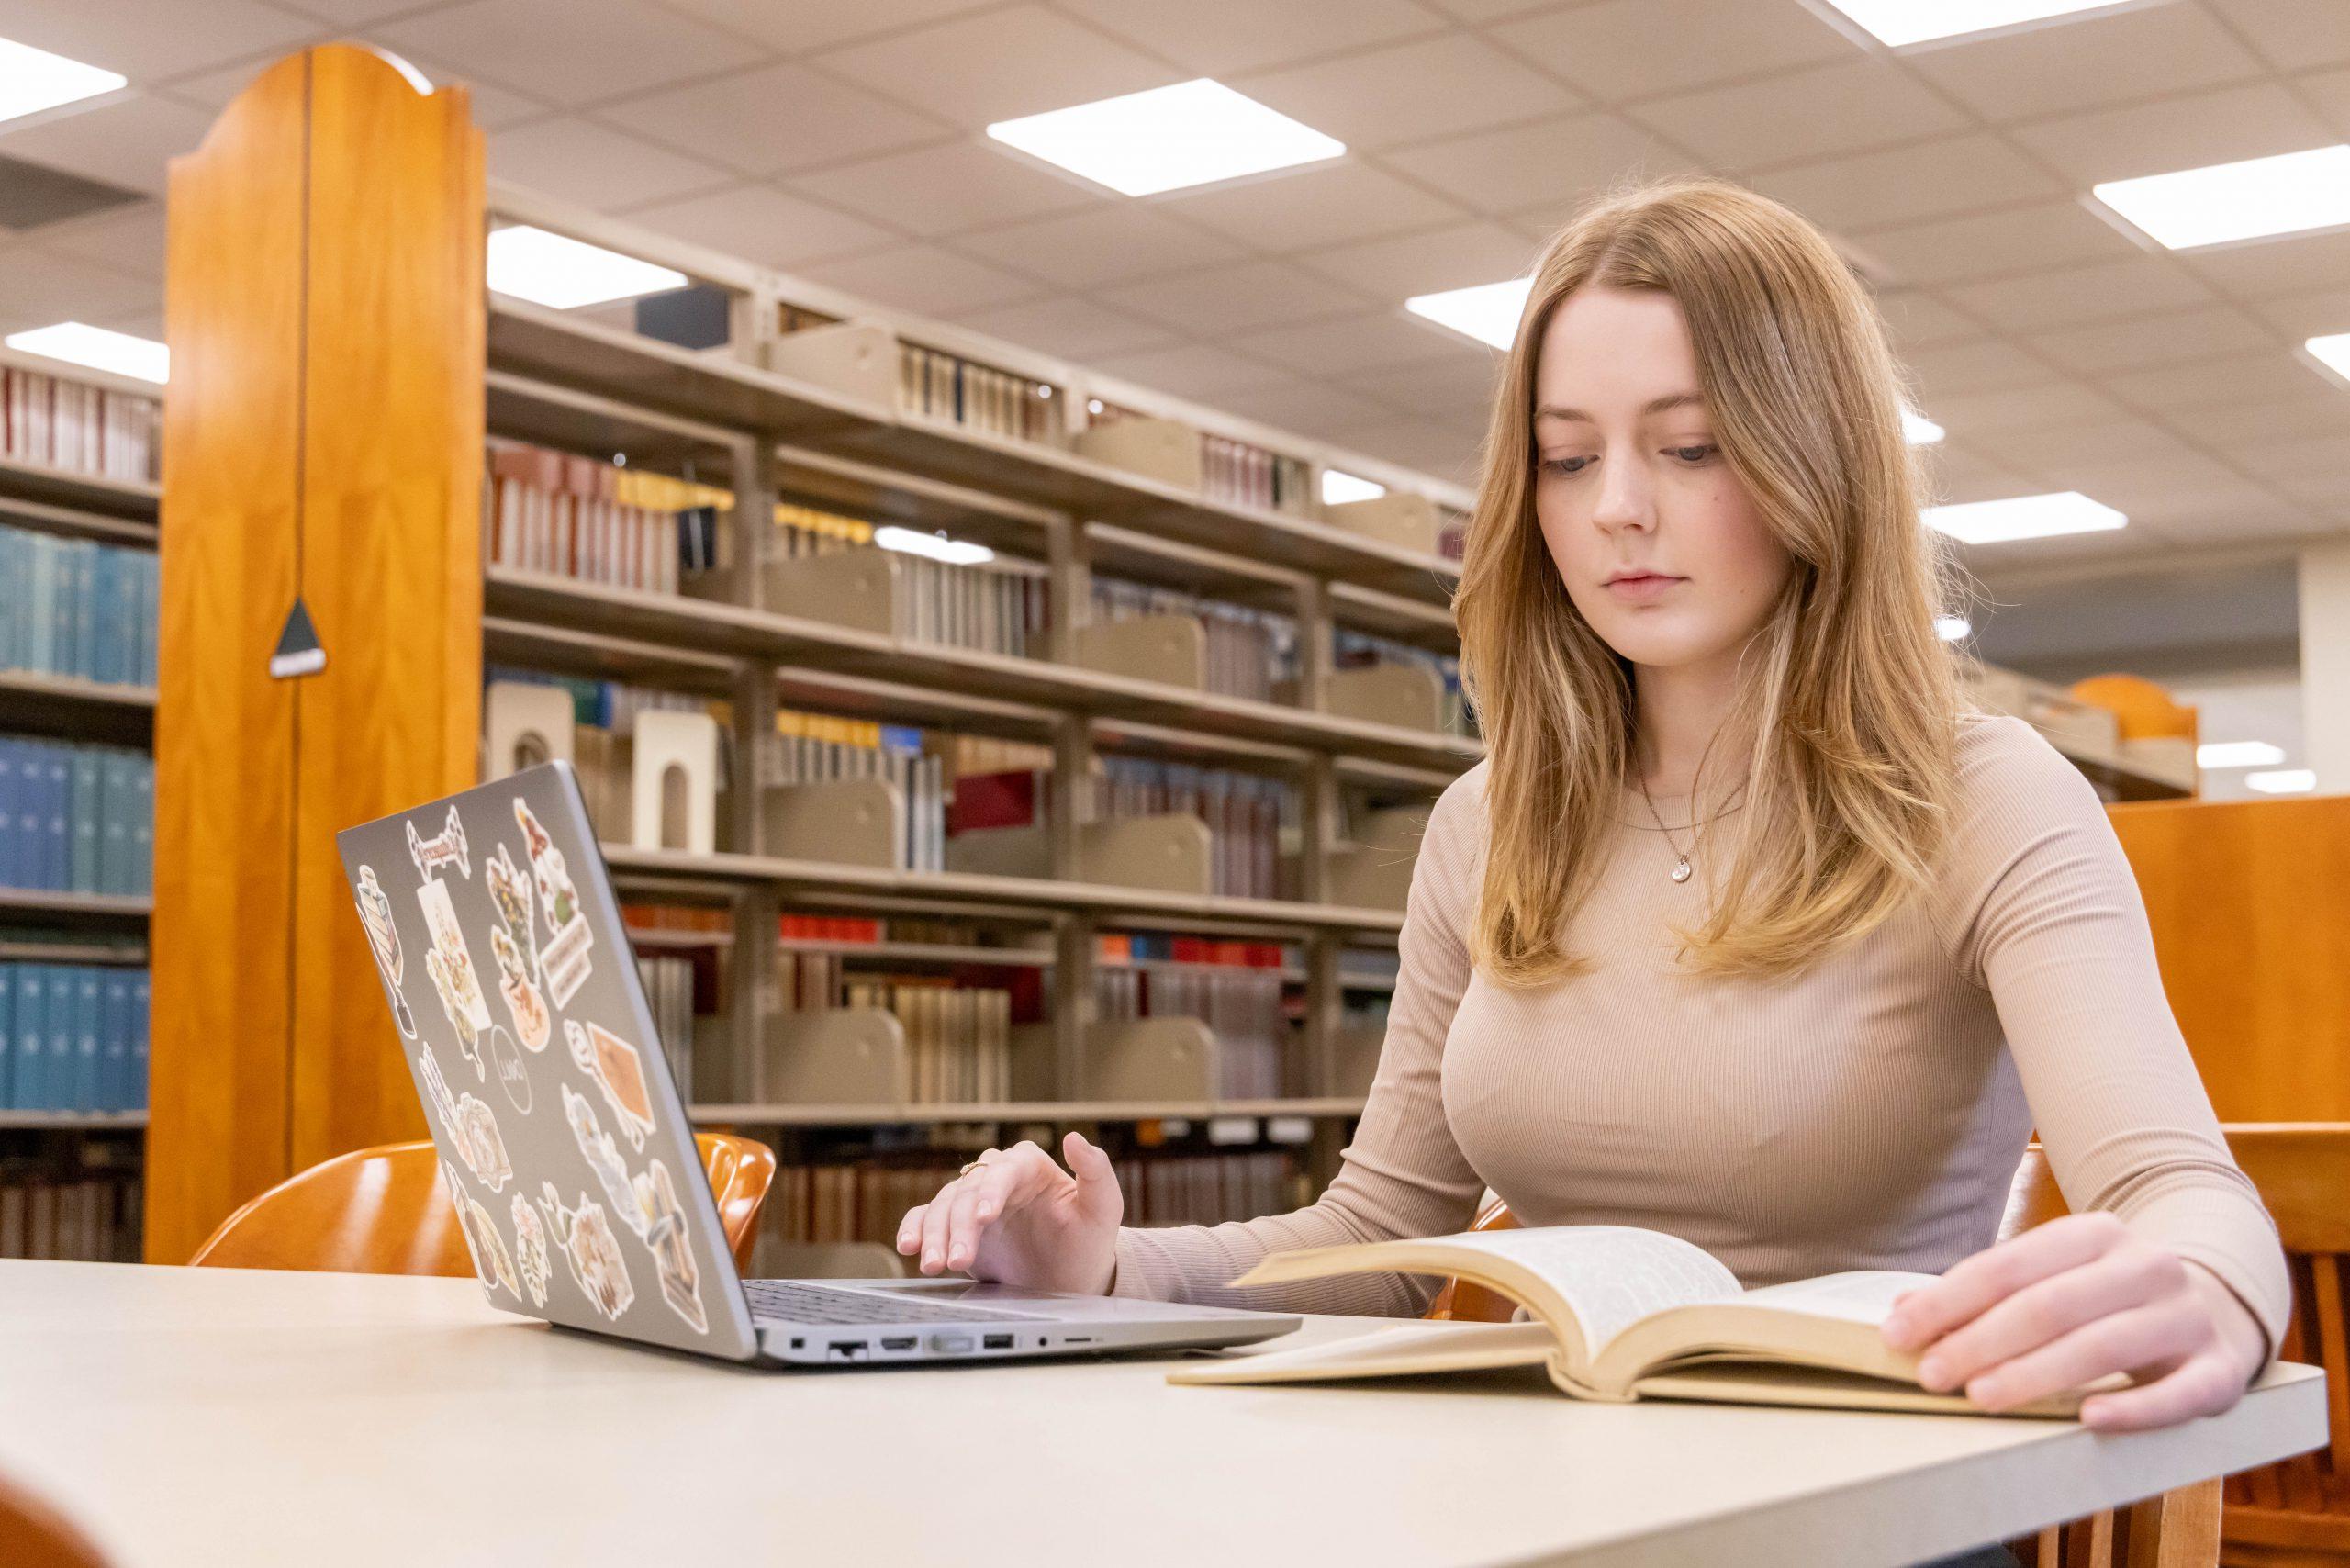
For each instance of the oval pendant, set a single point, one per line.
(1681, 869)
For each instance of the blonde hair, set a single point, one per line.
(1846, 689)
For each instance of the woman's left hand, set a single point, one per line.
(2068, 1302)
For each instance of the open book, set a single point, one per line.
(1618, 1313)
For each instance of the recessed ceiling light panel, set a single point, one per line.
(33, 79)
(1485, 311)
(1898, 22)
(1167, 139)
(76, 343)
(553, 270)
(2023, 516)
(2254, 199)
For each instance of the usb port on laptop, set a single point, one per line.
(906, 1343)
(997, 1341)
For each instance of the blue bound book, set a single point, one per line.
(139, 988)
(7, 1037)
(83, 819)
(14, 568)
(32, 1032)
(107, 662)
(143, 826)
(12, 838)
(114, 1043)
(39, 588)
(80, 615)
(151, 572)
(58, 1047)
(89, 994)
(56, 807)
(114, 821)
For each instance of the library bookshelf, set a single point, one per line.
(68, 1176)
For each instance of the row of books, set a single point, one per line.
(76, 607)
(76, 818)
(1241, 1007)
(1241, 475)
(1248, 650)
(1360, 650)
(73, 1037)
(865, 1201)
(947, 386)
(993, 607)
(561, 513)
(920, 777)
(958, 1038)
(59, 422)
(76, 1216)
(1244, 814)
(669, 994)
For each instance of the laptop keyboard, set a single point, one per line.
(792, 1301)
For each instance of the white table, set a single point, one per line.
(202, 1415)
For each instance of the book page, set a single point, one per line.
(1612, 1275)
(1860, 1295)
(1387, 1352)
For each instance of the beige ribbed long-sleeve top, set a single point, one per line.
(1868, 1113)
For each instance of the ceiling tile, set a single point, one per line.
(1372, 339)
(2303, 457)
(1021, 60)
(761, 224)
(803, 25)
(2133, 284)
(1326, 204)
(1410, 92)
(2166, 337)
(1807, 114)
(2182, 130)
(1984, 367)
(2015, 240)
(943, 189)
(347, 13)
(37, 288)
(2114, 439)
(1543, 171)
(1235, 299)
(2295, 263)
(1971, 416)
(774, 118)
(2251, 378)
(1455, 388)
(2163, 489)
(1404, 264)
(1188, 370)
(1445, 451)
(493, 105)
(2110, 58)
(128, 239)
(151, 40)
(1107, 244)
(2320, 313)
(924, 279)
(127, 140)
(1917, 320)
(2236, 428)
(2292, 33)
(1931, 179)
(570, 51)
(1299, 404)
(1073, 329)
(2330, 90)
(1218, 36)
(575, 160)
(1622, 50)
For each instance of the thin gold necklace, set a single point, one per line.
(1681, 869)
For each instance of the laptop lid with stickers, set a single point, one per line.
(516, 998)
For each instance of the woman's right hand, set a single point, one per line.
(1021, 1220)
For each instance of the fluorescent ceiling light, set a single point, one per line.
(2023, 516)
(2284, 781)
(1485, 311)
(1920, 429)
(2238, 754)
(1192, 133)
(1950, 628)
(2259, 196)
(913, 544)
(1897, 22)
(1340, 486)
(33, 79)
(548, 269)
(2332, 352)
(76, 344)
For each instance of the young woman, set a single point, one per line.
(1745, 930)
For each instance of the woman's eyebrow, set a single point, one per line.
(1654, 406)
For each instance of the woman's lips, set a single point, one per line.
(1643, 587)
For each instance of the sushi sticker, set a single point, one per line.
(446, 847)
(384, 936)
(588, 1245)
(619, 1071)
(531, 1251)
(523, 1003)
(451, 965)
(566, 957)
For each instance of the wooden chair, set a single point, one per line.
(384, 1211)
(2296, 1513)
(2176, 1529)
(35, 1535)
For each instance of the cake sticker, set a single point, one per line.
(565, 959)
(384, 936)
(506, 1067)
(619, 1071)
(530, 1257)
(446, 847)
(451, 965)
(591, 1249)
(523, 1003)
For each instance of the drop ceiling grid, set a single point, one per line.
(693, 98)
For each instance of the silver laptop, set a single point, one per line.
(563, 1140)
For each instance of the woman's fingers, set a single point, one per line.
(1974, 1284)
(2047, 1310)
(2204, 1385)
(910, 1228)
(2157, 1336)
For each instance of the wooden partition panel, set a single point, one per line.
(322, 438)
(2250, 905)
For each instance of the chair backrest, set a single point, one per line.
(2299, 1509)
(34, 1535)
(384, 1211)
